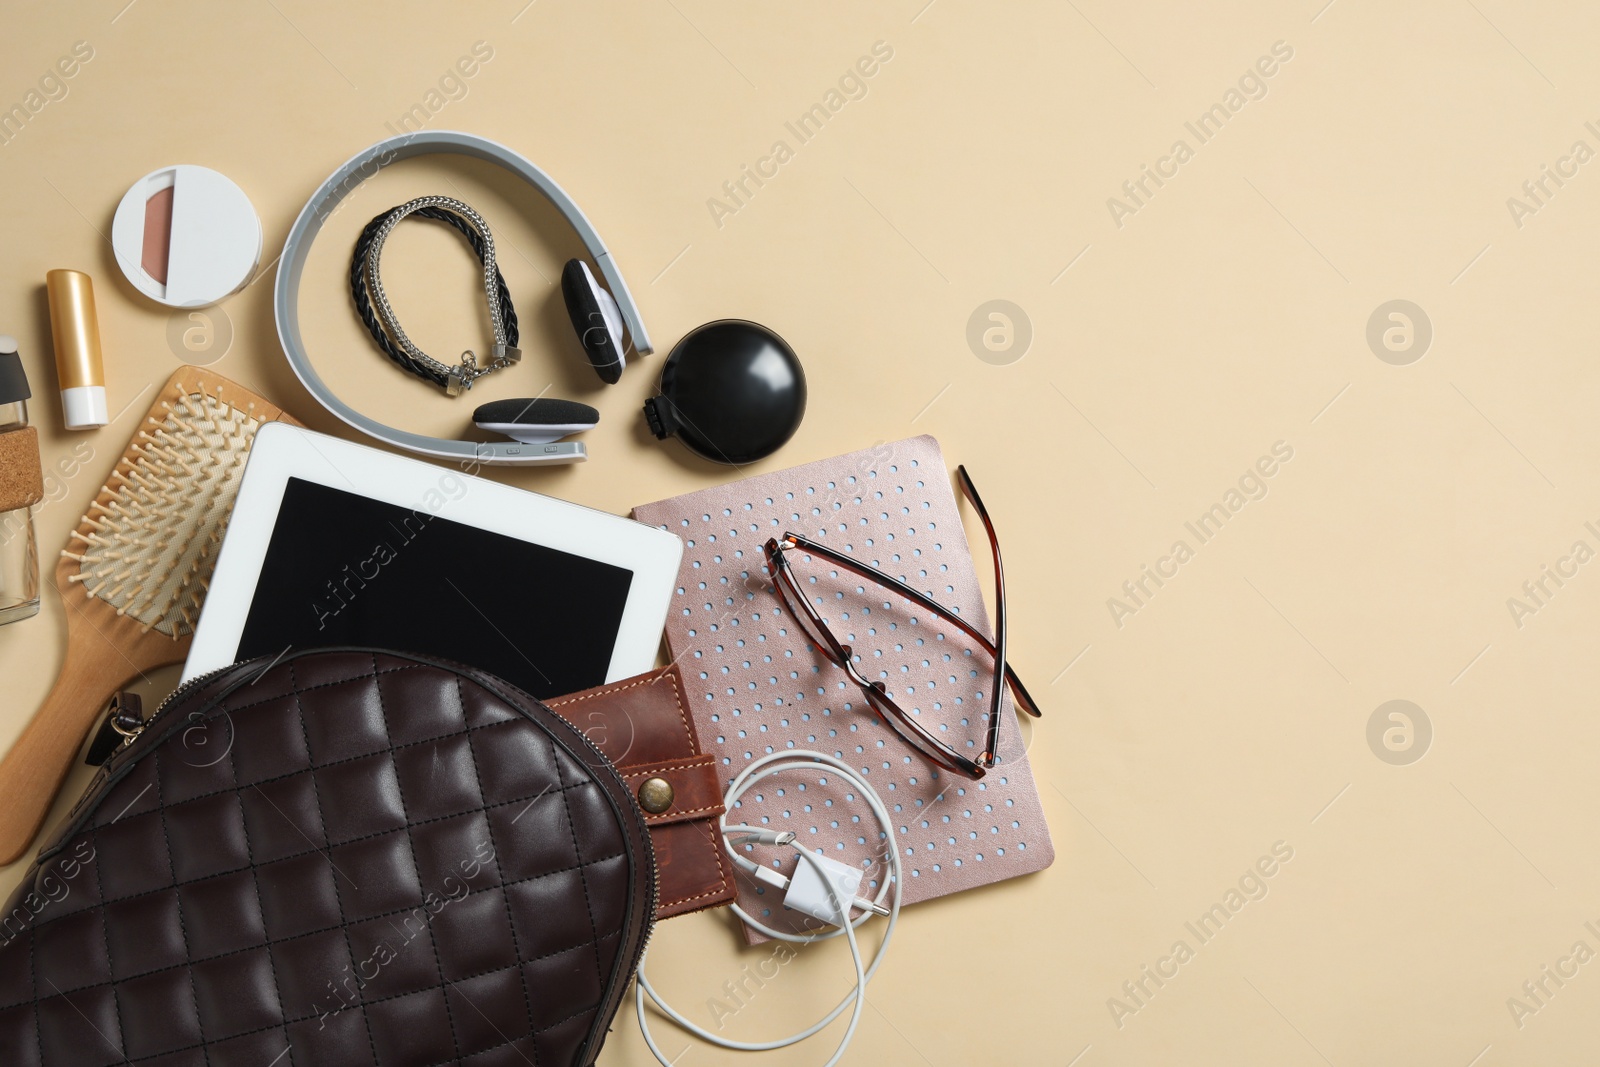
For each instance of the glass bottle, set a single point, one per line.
(19, 553)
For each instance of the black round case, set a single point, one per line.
(732, 391)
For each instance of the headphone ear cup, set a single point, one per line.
(539, 421)
(596, 318)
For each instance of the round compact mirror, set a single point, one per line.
(732, 391)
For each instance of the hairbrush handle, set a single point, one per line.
(103, 655)
(32, 772)
(158, 518)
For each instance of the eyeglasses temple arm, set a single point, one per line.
(1024, 699)
(992, 743)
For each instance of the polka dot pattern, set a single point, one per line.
(757, 685)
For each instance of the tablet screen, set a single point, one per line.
(343, 569)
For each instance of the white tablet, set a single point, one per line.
(333, 543)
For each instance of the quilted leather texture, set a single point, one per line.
(351, 858)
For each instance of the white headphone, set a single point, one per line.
(604, 320)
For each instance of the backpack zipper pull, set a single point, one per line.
(124, 720)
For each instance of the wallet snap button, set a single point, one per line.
(655, 795)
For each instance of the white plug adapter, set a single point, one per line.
(807, 893)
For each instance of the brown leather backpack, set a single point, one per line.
(343, 857)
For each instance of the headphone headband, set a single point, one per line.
(360, 167)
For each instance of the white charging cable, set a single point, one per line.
(833, 905)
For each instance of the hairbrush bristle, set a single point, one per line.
(148, 545)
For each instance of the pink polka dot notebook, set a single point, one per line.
(756, 685)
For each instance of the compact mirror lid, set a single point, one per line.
(732, 391)
(186, 236)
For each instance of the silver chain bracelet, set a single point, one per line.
(460, 377)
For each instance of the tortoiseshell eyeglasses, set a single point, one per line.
(801, 608)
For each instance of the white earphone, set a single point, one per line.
(820, 887)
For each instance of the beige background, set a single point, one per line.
(1228, 313)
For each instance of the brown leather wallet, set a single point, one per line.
(643, 727)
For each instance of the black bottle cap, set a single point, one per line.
(13, 379)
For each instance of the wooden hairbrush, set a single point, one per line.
(133, 576)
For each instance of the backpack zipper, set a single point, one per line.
(131, 733)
